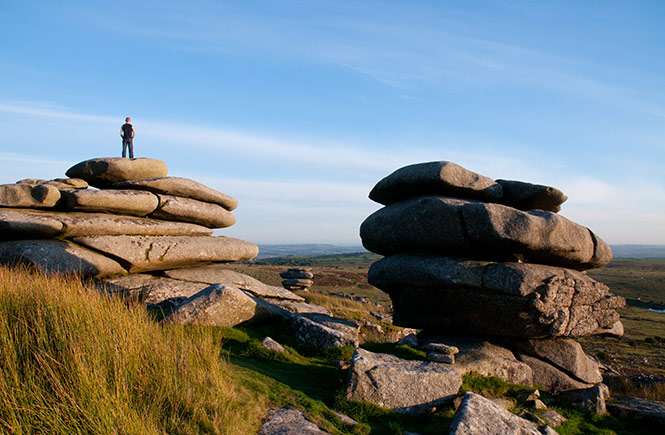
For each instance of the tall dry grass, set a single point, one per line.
(74, 361)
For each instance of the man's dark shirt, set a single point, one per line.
(127, 131)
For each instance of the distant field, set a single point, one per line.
(639, 281)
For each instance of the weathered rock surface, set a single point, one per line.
(324, 331)
(288, 421)
(489, 359)
(152, 289)
(19, 224)
(216, 273)
(565, 354)
(130, 202)
(25, 224)
(434, 178)
(182, 187)
(405, 386)
(26, 195)
(59, 183)
(297, 283)
(492, 231)
(296, 274)
(271, 344)
(55, 256)
(549, 377)
(527, 196)
(101, 172)
(217, 305)
(479, 416)
(468, 297)
(553, 418)
(587, 400)
(144, 253)
(173, 208)
(639, 410)
(299, 307)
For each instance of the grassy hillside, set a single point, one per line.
(75, 361)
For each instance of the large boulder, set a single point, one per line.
(434, 178)
(549, 377)
(24, 224)
(322, 330)
(218, 305)
(296, 274)
(28, 196)
(182, 187)
(467, 297)
(480, 416)
(102, 172)
(56, 256)
(527, 196)
(491, 231)
(144, 253)
(641, 411)
(487, 359)
(130, 202)
(410, 387)
(216, 273)
(173, 208)
(151, 289)
(288, 421)
(565, 354)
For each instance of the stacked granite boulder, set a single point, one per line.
(468, 256)
(297, 278)
(143, 234)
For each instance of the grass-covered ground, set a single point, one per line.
(75, 361)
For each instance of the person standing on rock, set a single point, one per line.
(127, 135)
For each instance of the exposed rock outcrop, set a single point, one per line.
(469, 256)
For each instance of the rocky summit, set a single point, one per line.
(471, 258)
(145, 235)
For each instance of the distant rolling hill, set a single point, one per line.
(638, 251)
(316, 249)
(306, 249)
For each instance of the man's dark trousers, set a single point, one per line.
(128, 142)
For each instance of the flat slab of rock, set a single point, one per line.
(288, 421)
(182, 187)
(131, 202)
(322, 330)
(639, 410)
(216, 273)
(145, 253)
(217, 305)
(434, 178)
(410, 387)
(296, 274)
(565, 354)
(527, 196)
(466, 297)
(152, 289)
(30, 224)
(586, 400)
(27, 196)
(102, 172)
(20, 224)
(480, 416)
(59, 183)
(174, 208)
(297, 282)
(480, 230)
(56, 256)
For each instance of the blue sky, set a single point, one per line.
(297, 108)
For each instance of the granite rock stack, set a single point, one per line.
(468, 256)
(297, 278)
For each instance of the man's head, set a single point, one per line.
(128, 120)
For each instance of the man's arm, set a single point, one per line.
(121, 133)
(133, 132)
